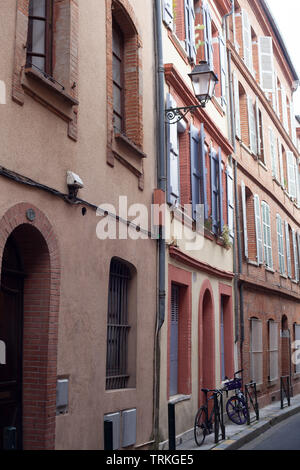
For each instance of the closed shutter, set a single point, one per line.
(252, 126)
(291, 174)
(259, 146)
(297, 347)
(280, 244)
(258, 230)
(190, 43)
(266, 64)
(273, 350)
(281, 164)
(207, 35)
(274, 164)
(223, 62)
(296, 262)
(214, 173)
(220, 192)
(267, 234)
(174, 340)
(237, 106)
(172, 158)
(284, 109)
(288, 249)
(256, 351)
(203, 171)
(230, 200)
(244, 206)
(195, 169)
(247, 40)
(168, 13)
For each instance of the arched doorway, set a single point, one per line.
(29, 295)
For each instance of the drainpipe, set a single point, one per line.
(161, 181)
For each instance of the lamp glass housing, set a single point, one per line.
(204, 81)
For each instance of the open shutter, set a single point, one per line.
(291, 174)
(297, 171)
(190, 44)
(274, 164)
(273, 350)
(230, 200)
(298, 246)
(281, 164)
(257, 127)
(266, 64)
(293, 124)
(288, 249)
(168, 13)
(203, 171)
(296, 262)
(247, 40)
(244, 206)
(237, 106)
(195, 169)
(252, 126)
(207, 35)
(223, 61)
(214, 163)
(172, 158)
(220, 192)
(258, 230)
(284, 109)
(280, 244)
(267, 234)
(174, 340)
(297, 348)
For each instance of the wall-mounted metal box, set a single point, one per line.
(62, 396)
(128, 427)
(115, 418)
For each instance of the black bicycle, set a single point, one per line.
(205, 421)
(236, 406)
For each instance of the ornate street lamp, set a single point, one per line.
(204, 81)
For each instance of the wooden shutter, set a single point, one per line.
(168, 13)
(230, 200)
(291, 174)
(297, 352)
(244, 206)
(247, 40)
(195, 169)
(258, 230)
(203, 171)
(284, 109)
(296, 261)
(274, 164)
(190, 42)
(273, 350)
(223, 67)
(252, 126)
(280, 244)
(172, 157)
(207, 34)
(237, 106)
(293, 124)
(256, 351)
(222, 340)
(266, 64)
(214, 173)
(257, 127)
(288, 249)
(174, 340)
(298, 245)
(220, 191)
(267, 234)
(281, 164)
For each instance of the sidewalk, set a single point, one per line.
(237, 436)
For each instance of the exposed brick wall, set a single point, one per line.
(179, 24)
(39, 249)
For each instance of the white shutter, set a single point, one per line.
(291, 174)
(280, 244)
(230, 200)
(252, 126)
(293, 124)
(281, 164)
(257, 127)
(244, 218)
(223, 74)
(274, 164)
(296, 262)
(247, 40)
(258, 230)
(297, 354)
(267, 234)
(207, 35)
(256, 351)
(173, 158)
(275, 95)
(298, 245)
(288, 249)
(266, 64)
(273, 350)
(168, 13)
(284, 109)
(190, 42)
(237, 106)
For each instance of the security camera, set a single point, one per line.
(74, 183)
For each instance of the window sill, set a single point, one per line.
(276, 181)
(55, 87)
(179, 398)
(284, 276)
(262, 165)
(253, 263)
(129, 144)
(270, 270)
(272, 382)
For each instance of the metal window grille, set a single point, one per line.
(117, 326)
(273, 350)
(256, 351)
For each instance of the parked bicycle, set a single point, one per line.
(206, 422)
(236, 406)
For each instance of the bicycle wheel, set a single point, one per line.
(200, 426)
(236, 410)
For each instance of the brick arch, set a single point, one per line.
(206, 335)
(38, 247)
(125, 13)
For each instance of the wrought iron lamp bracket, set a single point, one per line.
(176, 114)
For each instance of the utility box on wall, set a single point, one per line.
(62, 396)
(115, 418)
(128, 428)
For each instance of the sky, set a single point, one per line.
(287, 15)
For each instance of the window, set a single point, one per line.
(216, 173)
(256, 351)
(120, 320)
(273, 350)
(198, 170)
(174, 340)
(296, 354)
(260, 136)
(39, 43)
(266, 221)
(288, 249)
(237, 106)
(291, 174)
(252, 126)
(118, 74)
(280, 241)
(295, 253)
(266, 65)
(274, 156)
(247, 40)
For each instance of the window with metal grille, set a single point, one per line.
(256, 351)
(174, 340)
(39, 41)
(273, 350)
(118, 77)
(117, 326)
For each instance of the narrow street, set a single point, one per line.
(283, 436)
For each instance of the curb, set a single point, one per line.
(258, 428)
